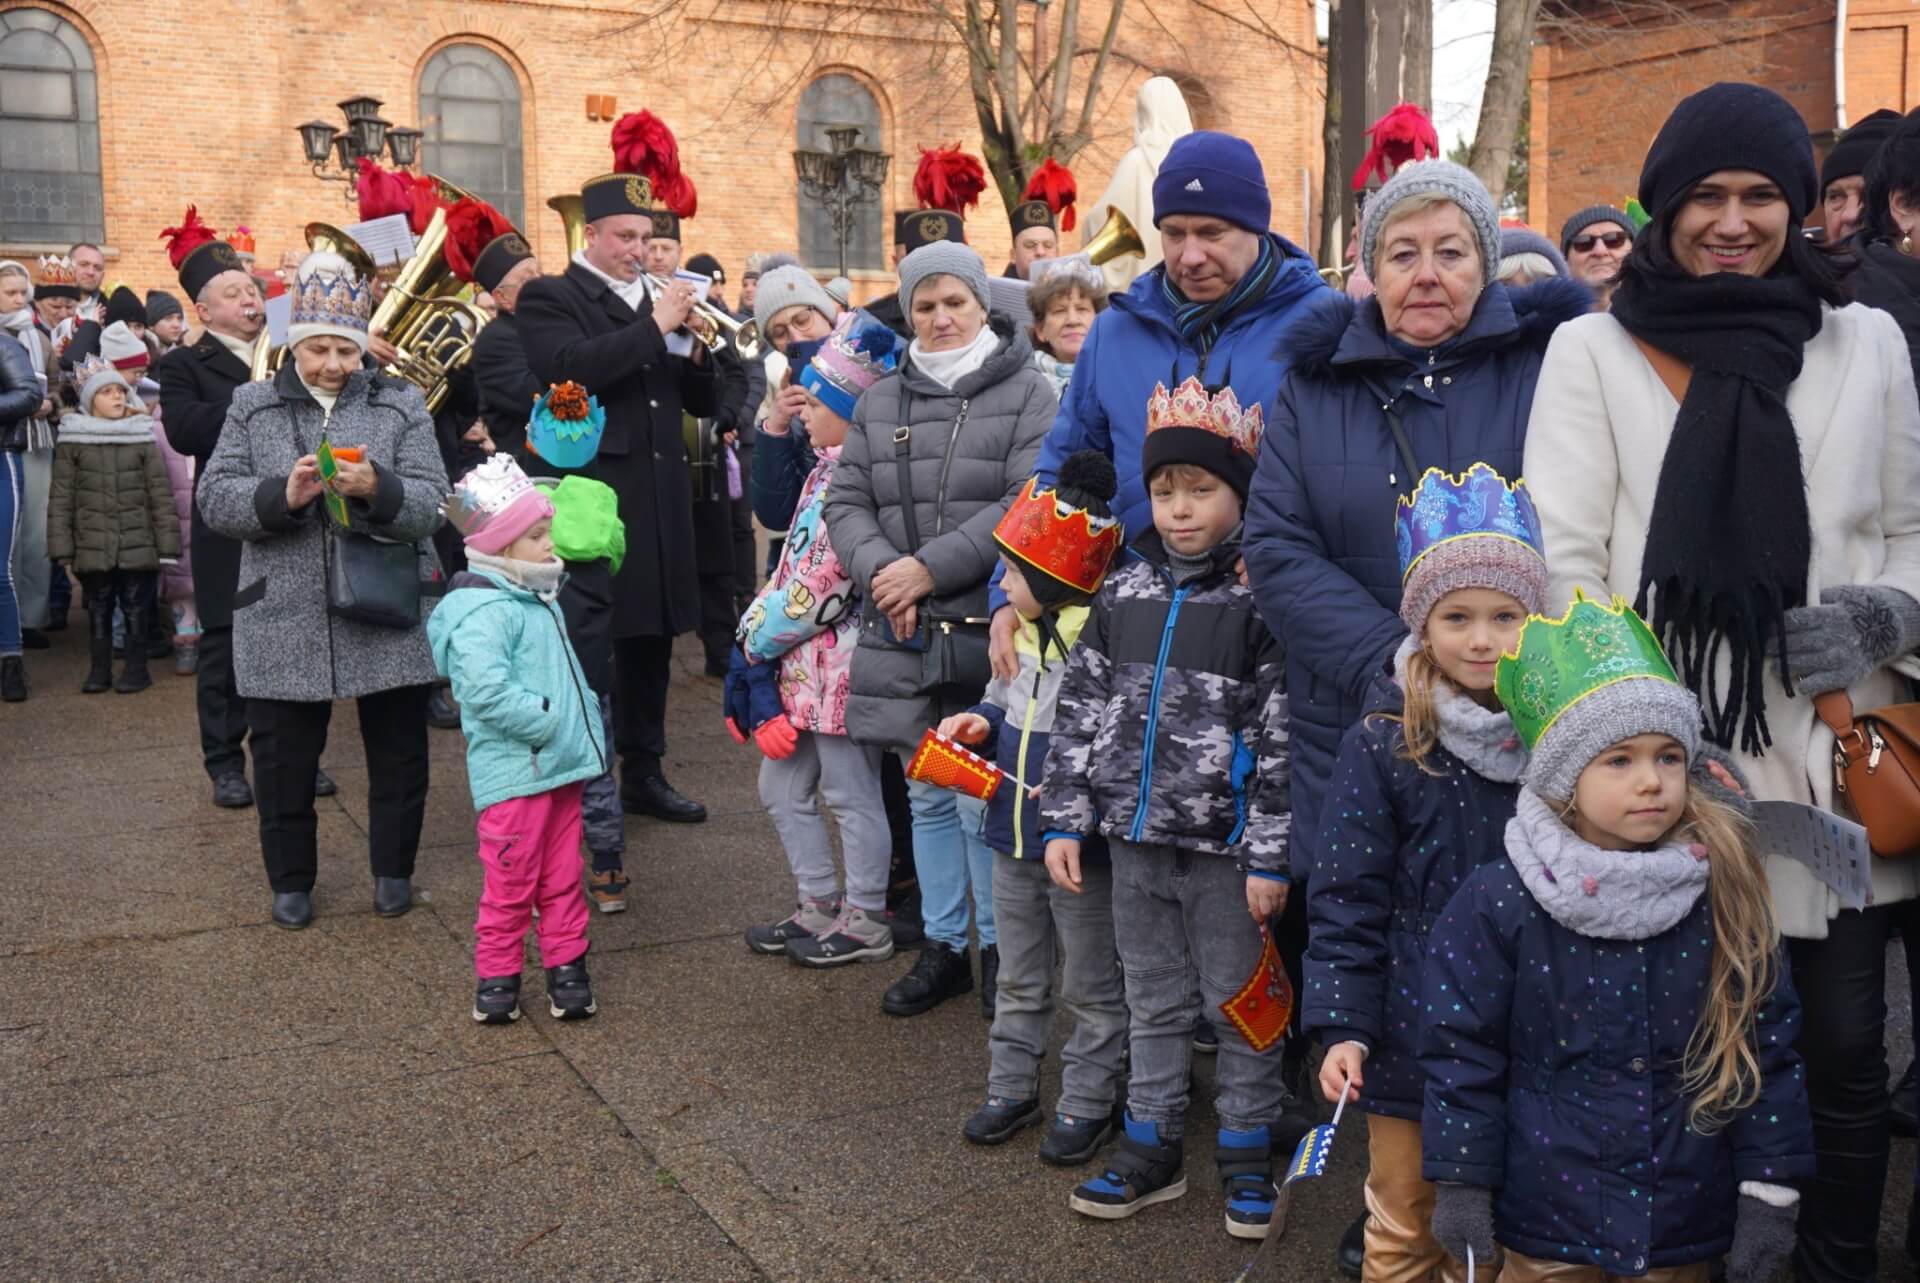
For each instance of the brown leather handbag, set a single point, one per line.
(1876, 770)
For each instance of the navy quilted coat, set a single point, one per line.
(1552, 1065)
(1395, 844)
(1319, 534)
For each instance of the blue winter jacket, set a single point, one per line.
(1552, 1064)
(1319, 533)
(780, 468)
(531, 720)
(1396, 843)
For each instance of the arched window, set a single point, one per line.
(836, 100)
(470, 116)
(49, 132)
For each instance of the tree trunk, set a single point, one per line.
(1333, 175)
(1506, 93)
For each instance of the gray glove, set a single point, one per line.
(1701, 778)
(1463, 1217)
(1854, 630)
(1762, 1240)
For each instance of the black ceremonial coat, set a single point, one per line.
(506, 383)
(196, 383)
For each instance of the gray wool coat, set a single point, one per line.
(285, 644)
(962, 484)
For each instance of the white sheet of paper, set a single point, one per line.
(1833, 847)
(387, 240)
(279, 315)
(680, 342)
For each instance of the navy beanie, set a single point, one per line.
(1856, 147)
(1216, 176)
(1731, 126)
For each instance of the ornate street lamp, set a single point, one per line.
(843, 179)
(367, 134)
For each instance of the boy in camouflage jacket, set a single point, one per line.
(1171, 738)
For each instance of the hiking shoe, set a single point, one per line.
(609, 890)
(1071, 1141)
(997, 1121)
(1206, 1039)
(497, 1000)
(939, 973)
(809, 919)
(1245, 1162)
(855, 936)
(569, 996)
(1140, 1172)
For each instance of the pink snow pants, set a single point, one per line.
(530, 849)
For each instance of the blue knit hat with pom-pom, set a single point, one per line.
(858, 354)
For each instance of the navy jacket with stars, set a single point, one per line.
(1395, 844)
(1553, 1064)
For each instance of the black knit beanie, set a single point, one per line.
(1585, 218)
(1198, 446)
(124, 305)
(1856, 147)
(1731, 126)
(161, 305)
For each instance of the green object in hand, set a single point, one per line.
(329, 469)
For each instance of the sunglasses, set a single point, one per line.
(1612, 240)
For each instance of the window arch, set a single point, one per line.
(470, 122)
(50, 189)
(831, 100)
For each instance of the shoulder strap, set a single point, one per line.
(1673, 372)
(1390, 407)
(903, 460)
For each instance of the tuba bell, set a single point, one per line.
(574, 215)
(422, 314)
(1116, 238)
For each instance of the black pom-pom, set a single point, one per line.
(1087, 480)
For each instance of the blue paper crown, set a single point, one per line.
(322, 296)
(566, 443)
(1478, 503)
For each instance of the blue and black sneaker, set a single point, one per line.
(1245, 1160)
(1140, 1171)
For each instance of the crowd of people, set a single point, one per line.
(1144, 640)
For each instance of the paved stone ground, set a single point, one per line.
(188, 1093)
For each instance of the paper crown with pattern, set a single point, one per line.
(328, 298)
(1473, 529)
(1191, 405)
(566, 426)
(1560, 662)
(486, 492)
(1066, 542)
(53, 277)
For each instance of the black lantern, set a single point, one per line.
(316, 137)
(842, 137)
(842, 179)
(356, 108)
(370, 135)
(404, 143)
(869, 165)
(343, 146)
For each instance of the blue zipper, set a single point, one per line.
(1153, 714)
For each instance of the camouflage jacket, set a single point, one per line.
(1172, 720)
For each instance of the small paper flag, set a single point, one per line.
(1264, 1005)
(329, 469)
(942, 762)
(1310, 1159)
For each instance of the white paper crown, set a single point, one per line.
(327, 293)
(485, 493)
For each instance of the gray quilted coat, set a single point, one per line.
(110, 507)
(962, 483)
(285, 645)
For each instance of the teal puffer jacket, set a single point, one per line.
(531, 721)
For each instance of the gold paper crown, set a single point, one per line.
(328, 295)
(1191, 406)
(55, 269)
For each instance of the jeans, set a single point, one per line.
(1181, 916)
(530, 849)
(952, 859)
(846, 776)
(32, 570)
(605, 822)
(1038, 921)
(12, 487)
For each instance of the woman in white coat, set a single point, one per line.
(1737, 452)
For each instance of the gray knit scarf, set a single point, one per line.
(541, 578)
(1604, 895)
(1480, 737)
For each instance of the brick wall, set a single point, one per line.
(186, 117)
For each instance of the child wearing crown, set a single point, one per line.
(533, 734)
(1427, 781)
(1611, 1085)
(1171, 739)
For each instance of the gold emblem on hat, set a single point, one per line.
(224, 254)
(516, 244)
(933, 228)
(639, 192)
(662, 223)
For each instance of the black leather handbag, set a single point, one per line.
(372, 580)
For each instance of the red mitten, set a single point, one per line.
(733, 729)
(777, 737)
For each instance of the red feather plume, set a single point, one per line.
(188, 237)
(472, 225)
(642, 144)
(382, 191)
(1404, 134)
(424, 197)
(948, 178)
(1053, 183)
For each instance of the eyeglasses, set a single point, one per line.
(1612, 240)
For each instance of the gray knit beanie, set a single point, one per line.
(1455, 182)
(943, 258)
(1642, 705)
(1524, 240)
(783, 287)
(1585, 218)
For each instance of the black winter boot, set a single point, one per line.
(133, 673)
(13, 680)
(939, 973)
(99, 640)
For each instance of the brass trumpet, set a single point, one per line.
(716, 327)
(1117, 238)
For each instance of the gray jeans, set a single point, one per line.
(1037, 921)
(601, 817)
(1179, 916)
(846, 776)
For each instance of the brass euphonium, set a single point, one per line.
(574, 215)
(1116, 238)
(422, 316)
(268, 356)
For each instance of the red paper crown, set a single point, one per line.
(941, 762)
(241, 238)
(1067, 543)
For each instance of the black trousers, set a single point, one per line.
(288, 737)
(719, 616)
(642, 667)
(746, 567)
(223, 714)
(1841, 982)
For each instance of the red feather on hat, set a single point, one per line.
(1053, 183)
(188, 237)
(948, 178)
(1404, 134)
(424, 197)
(382, 192)
(472, 225)
(642, 144)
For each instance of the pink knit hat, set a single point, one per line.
(495, 504)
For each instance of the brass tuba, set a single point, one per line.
(1115, 239)
(572, 213)
(422, 314)
(268, 356)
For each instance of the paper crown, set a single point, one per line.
(485, 493)
(54, 271)
(942, 763)
(1068, 543)
(1191, 406)
(1559, 662)
(241, 239)
(856, 355)
(90, 366)
(326, 293)
(1476, 504)
(566, 426)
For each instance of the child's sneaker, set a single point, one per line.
(811, 918)
(855, 936)
(997, 1121)
(1245, 1161)
(1141, 1171)
(496, 1001)
(569, 995)
(609, 890)
(1071, 1141)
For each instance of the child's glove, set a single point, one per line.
(1762, 1240)
(734, 697)
(1463, 1217)
(1701, 775)
(752, 699)
(776, 737)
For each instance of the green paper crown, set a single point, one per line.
(1560, 662)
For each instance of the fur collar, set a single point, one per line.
(1319, 341)
(84, 429)
(1482, 738)
(1604, 895)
